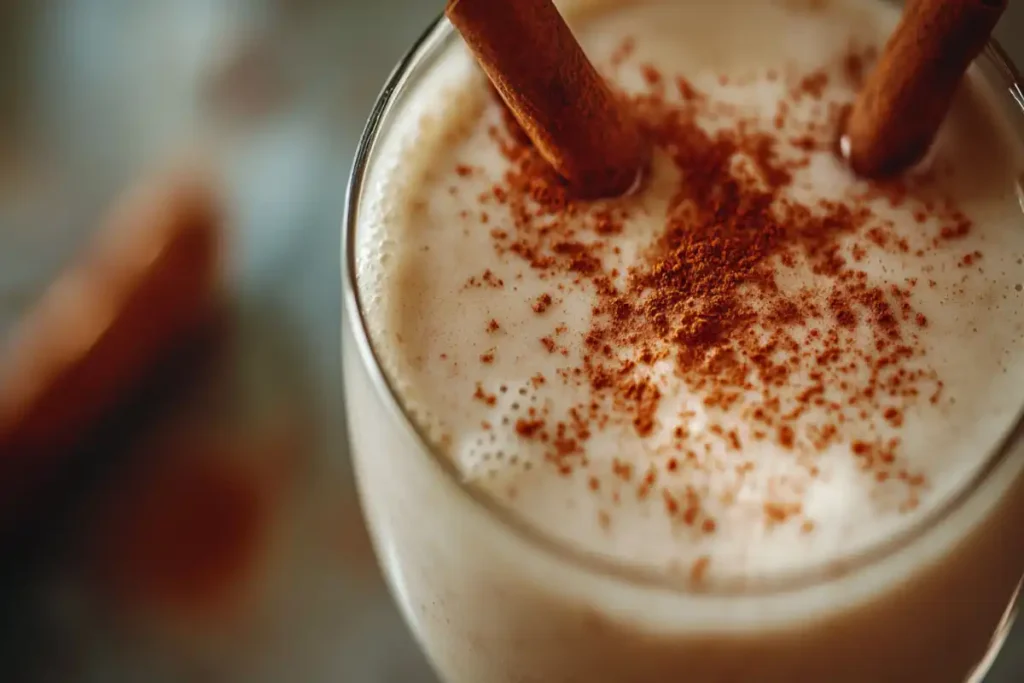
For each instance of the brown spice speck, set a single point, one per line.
(786, 436)
(894, 417)
(651, 75)
(542, 303)
(528, 428)
(778, 513)
(699, 570)
(483, 396)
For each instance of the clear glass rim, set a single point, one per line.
(437, 36)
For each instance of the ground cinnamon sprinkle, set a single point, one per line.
(529, 428)
(699, 569)
(813, 85)
(713, 301)
(780, 512)
(542, 303)
(487, 279)
(484, 397)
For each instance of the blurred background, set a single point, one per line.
(130, 575)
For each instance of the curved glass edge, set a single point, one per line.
(438, 36)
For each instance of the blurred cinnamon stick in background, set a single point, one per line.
(145, 286)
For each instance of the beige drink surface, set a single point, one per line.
(856, 375)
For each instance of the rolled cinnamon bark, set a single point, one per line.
(899, 111)
(562, 103)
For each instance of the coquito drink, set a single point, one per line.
(746, 423)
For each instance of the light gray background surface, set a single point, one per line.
(98, 86)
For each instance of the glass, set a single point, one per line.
(491, 600)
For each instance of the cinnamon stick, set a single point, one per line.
(556, 94)
(906, 98)
(145, 286)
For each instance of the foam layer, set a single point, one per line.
(486, 325)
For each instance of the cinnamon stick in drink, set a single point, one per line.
(905, 99)
(144, 287)
(562, 103)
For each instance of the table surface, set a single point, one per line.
(278, 92)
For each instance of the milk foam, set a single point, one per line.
(423, 237)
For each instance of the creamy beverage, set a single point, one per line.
(740, 425)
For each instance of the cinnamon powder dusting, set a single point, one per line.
(753, 296)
